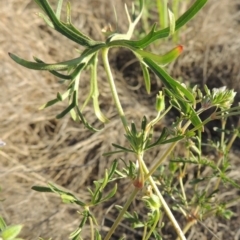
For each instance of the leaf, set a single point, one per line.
(110, 194)
(113, 169)
(44, 66)
(86, 124)
(71, 26)
(55, 73)
(146, 78)
(66, 198)
(161, 138)
(59, 8)
(2, 224)
(41, 189)
(66, 111)
(122, 148)
(63, 29)
(155, 35)
(168, 81)
(159, 59)
(171, 22)
(11, 232)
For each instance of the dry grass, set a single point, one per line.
(41, 149)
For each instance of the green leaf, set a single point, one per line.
(2, 224)
(171, 22)
(113, 169)
(66, 198)
(144, 123)
(55, 73)
(97, 235)
(122, 148)
(44, 66)
(59, 9)
(63, 29)
(161, 138)
(11, 232)
(86, 124)
(66, 111)
(60, 97)
(41, 189)
(160, 59)
(110, 194)
(146, 78)
(155, 35)
(168, 81)
(71, 26)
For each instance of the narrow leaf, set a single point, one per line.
(146, 78)
(171, 22)
(155, 35)
(2, 224)
(169, 82)
(59, 9)
(11, 232)
(160, 59)
(122, 148)
(60, 27)
(41, 189)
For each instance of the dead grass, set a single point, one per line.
(41, 149)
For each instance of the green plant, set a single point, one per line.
(166, 11)
(9, 232)
(187, 129)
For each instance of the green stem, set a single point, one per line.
(164, 204)
(163, 13)
(113, 87)
(223, 133)
(120, 216)
(154, 225)
(233, 138)
(161, 160)
(91, 227)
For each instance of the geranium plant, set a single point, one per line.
(187, 128)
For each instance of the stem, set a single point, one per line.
(233, 138)
(91, 227)
(188, 226)
(163, 11)
(182, 173)
(223, 133)
(113, 87)
(222, 149)
(163, 158)
(154, 225)
(199, 157)
(120, 216)
(144, 232)
(164, 204)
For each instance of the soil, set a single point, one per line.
(40, 149)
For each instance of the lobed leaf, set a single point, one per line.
(62, 28)
(155, 35)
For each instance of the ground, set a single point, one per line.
(41, 149)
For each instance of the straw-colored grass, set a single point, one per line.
(41, 149)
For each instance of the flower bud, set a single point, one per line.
(160, 102)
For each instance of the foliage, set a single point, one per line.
(9, 232)
(156, 182)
